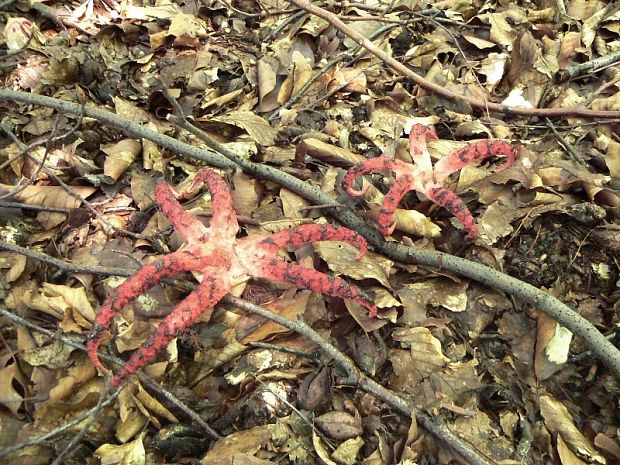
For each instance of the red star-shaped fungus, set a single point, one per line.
(422, 176)
(224, 261)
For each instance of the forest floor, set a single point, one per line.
(467, 357)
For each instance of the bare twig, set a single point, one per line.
(591, 66)
(27, 206)
(565, 145)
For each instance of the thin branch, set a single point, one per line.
(592, 66)
(42, 208)
(441, 90)
(572, 153)
(221, 157)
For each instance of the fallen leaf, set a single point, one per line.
(132, 453)
(119, 157)
(559, 421)
(339, 425)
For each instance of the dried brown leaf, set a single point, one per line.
(341, 259)
(290, 305)
(558, 420)
(339, 425)
(131, 453)
(239, 446)
(119, 157)
(441, 291)
(50, 196)
(258, 128)
(346, 453)
(327, 153)
(9, 377)
(552, 347)
(567, 457)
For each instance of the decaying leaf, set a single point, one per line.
(559, 421)
(50, 196)
(120, 156)
(239, 447)
(339, 425)
(131, 453)
(341, 258)
(10, 398)
(258, 129)
(445, 292)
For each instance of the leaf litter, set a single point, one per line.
(503, 375)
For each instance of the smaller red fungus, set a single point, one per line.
(422, 176)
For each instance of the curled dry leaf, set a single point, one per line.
(321, 450)
(341, 259)
(16, 264)
(340, 425)
(68, 304)
(53, 355)
(130, 453)
(132, 415)
(256, 127)
(119, 157)
(346, 453)
(239, 447)
(441, 291)
(552, 347)
(50, 196)
(559, 421)
(327, 153)
(77, 374)
(292, 304)
(410, 222)
(9, 377)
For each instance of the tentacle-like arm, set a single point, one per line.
(453, 203)
(365, 167)
(418, 136)
(473, 153)
(144, 279)
(222, 222)
(308, 233)
(401, 186)
(202, 299)
(307, 278)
